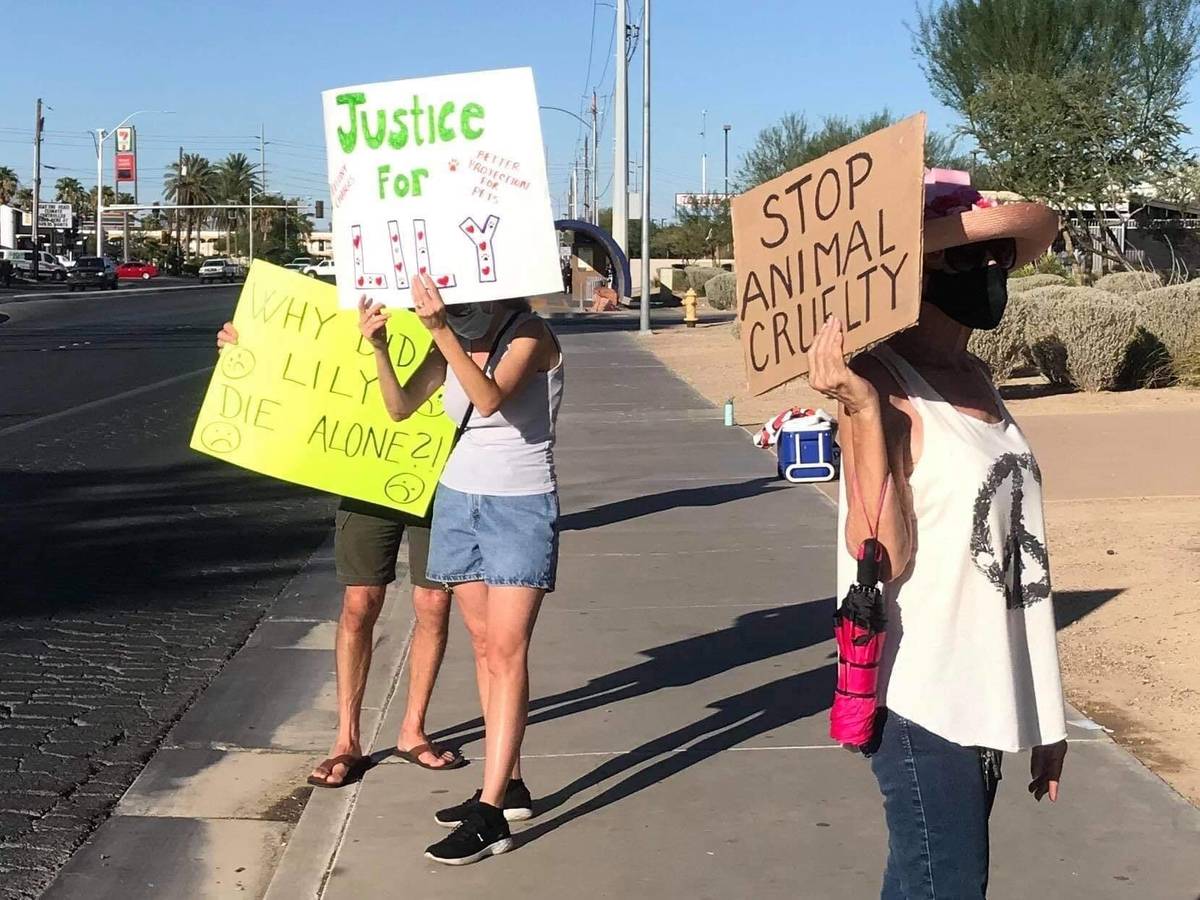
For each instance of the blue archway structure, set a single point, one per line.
(623, 281)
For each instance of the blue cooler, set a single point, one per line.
(807, 452)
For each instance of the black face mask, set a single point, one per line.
(975, 299)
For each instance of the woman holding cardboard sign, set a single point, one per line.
(970, 664)
(494, 539)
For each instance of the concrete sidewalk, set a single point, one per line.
(680, 680)
(677, 748)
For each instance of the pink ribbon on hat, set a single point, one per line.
(949, 191)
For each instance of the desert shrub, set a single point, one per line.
(1006, 348)
(1049, 264)
(1129, 282)
(1039, 280)
(698, 276)
(1186, 367)
(1172, 314)
(720, 291)
(1081, 336)
(673, 279)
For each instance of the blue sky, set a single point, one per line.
(226, 67)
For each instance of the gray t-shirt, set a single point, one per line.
(511, 452)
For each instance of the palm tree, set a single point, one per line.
(238, 177)
(23, 198)
(8, 184)
(197, 185)
(71, 191)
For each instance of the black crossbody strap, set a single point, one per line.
(462, 426)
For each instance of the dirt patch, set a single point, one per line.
(1127, 571)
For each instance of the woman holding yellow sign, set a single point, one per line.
(494, 539)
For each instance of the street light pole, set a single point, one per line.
(644, 318)
(101, 136)
(586, 171)
(727, 127)
(620, 200)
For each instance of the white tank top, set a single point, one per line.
(971, 652)
(511, 452)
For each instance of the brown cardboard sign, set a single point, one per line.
(840, 236)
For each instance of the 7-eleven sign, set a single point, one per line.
(126, 139)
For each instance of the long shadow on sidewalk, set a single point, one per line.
(738, 718)
(636, 507)
(752, 637)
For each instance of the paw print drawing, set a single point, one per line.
(453, 165)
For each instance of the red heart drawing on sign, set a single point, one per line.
(395, 237)
(470, 229)
(379, 279)
(420, 235)
(357, 239)
(399, 266)
(360, 281)
(487, 270)
(422, 270)
(483, 245)
(444, 280)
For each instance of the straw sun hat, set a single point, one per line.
(956, 213)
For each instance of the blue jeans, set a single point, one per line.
(500, 540)
(937, 797)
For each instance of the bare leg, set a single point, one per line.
(473, 603)
(511, 614)
(432, 609)
(361, 606)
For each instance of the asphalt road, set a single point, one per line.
(131, 567)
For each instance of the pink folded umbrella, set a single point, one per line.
(860, 627)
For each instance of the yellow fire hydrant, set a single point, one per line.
(689, 308)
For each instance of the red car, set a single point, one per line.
(135, 269)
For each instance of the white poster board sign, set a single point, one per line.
(444, 175)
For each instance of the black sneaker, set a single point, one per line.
(518, 806)
(483, 833)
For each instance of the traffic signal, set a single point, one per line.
(320, 209)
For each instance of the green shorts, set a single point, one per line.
(366, 543)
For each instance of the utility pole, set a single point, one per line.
(572, 194)
(703, 152)
(37, 185)
(620, 203)
(587, 180)
(595, 166)
(99, 191)
(644, 318)
(726, 128)
(262, 154)
(178, 213)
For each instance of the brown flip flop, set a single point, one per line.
(356, 768)
(413, 756)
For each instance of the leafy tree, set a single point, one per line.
(23, 198)
(237, 178)
(1071, 101)
(793, 141)
(9, 184)
(197, 184)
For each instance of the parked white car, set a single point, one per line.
(220, 269)
(324, 269)
(300, 263)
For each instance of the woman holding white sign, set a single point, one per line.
(494, 539)
(938, 476)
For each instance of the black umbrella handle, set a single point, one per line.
(870, 554)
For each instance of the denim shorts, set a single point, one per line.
(500, 540)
